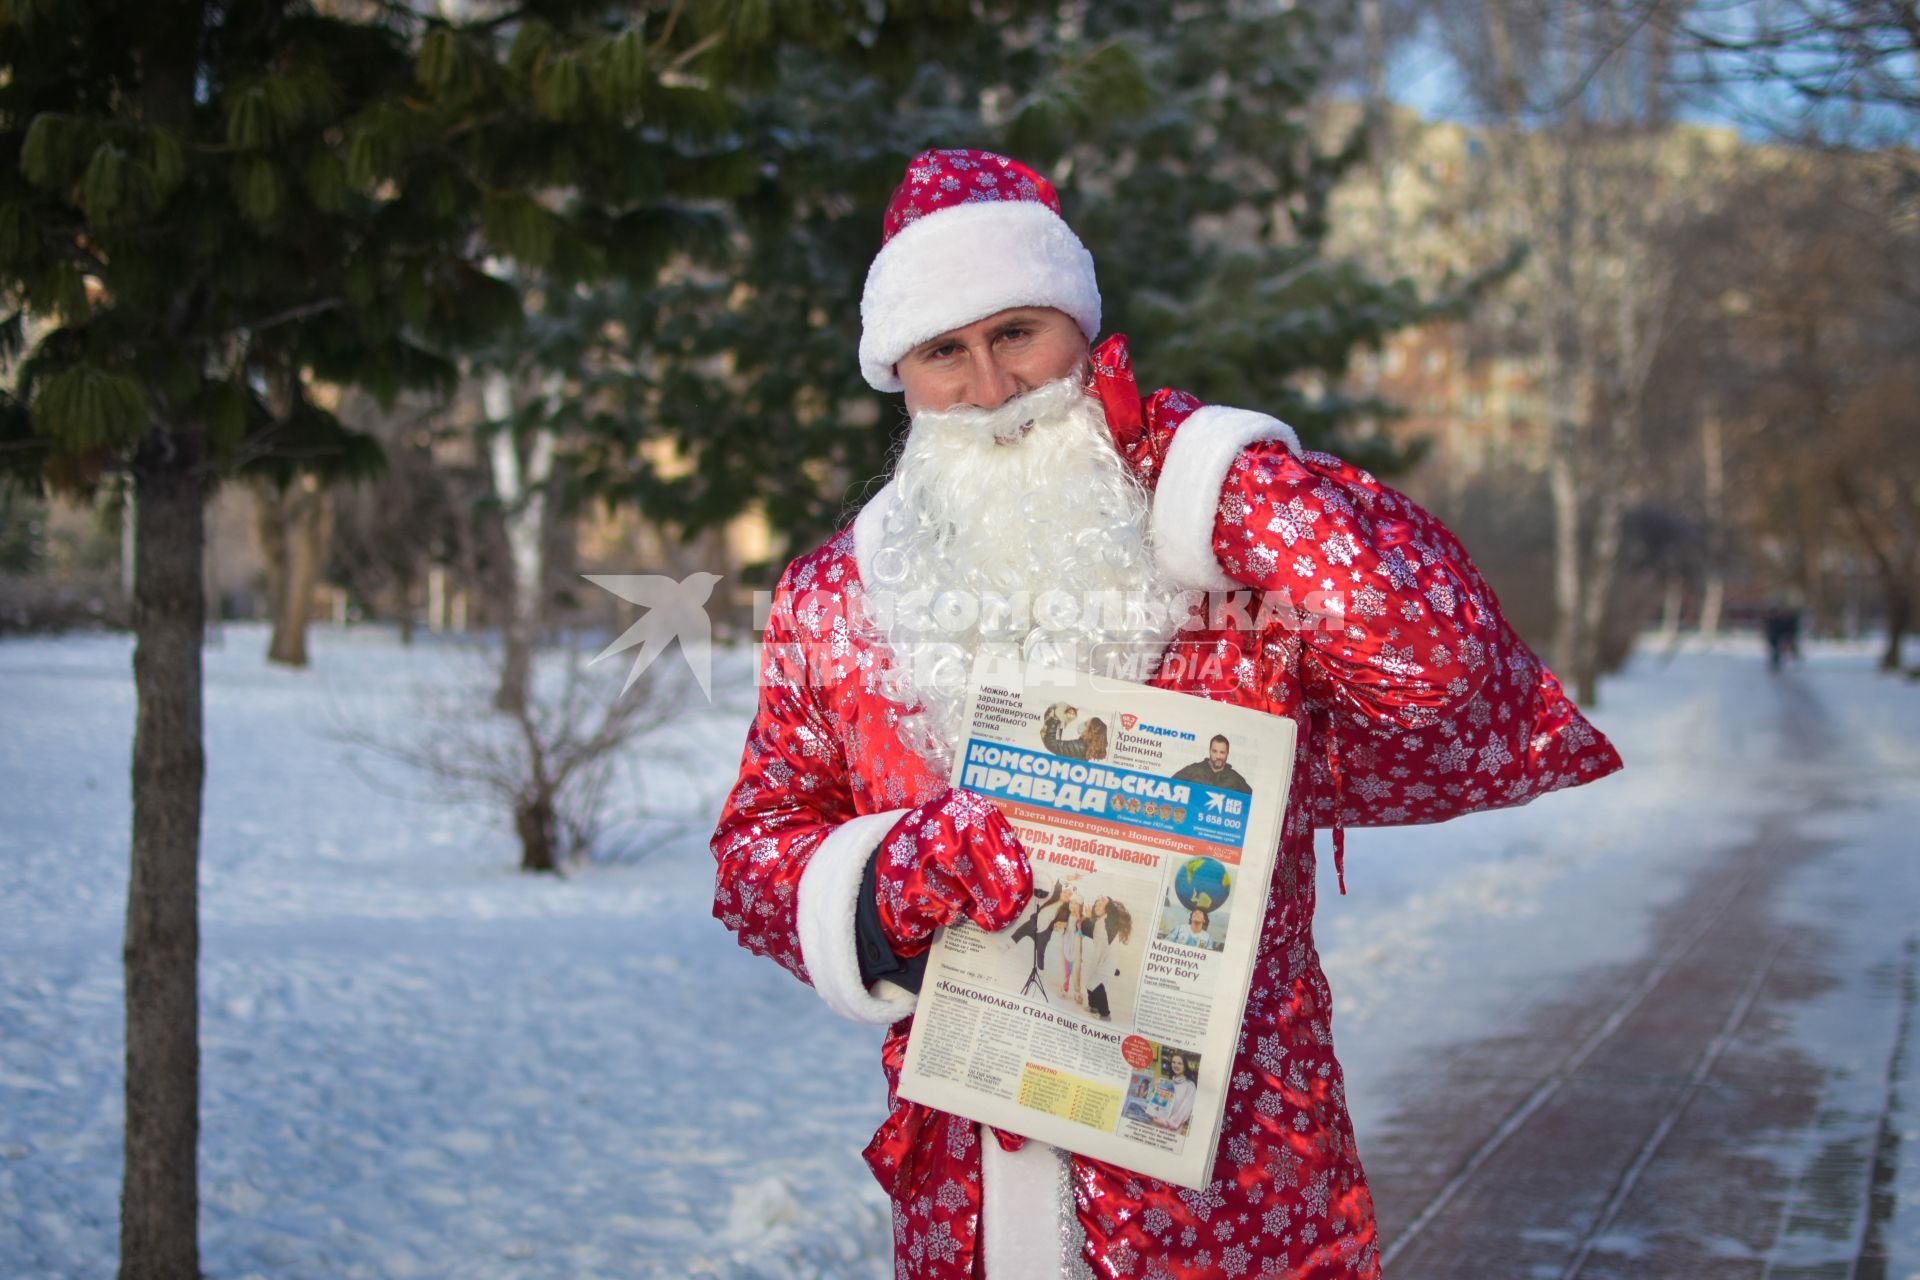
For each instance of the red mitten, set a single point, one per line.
(953, 856)
(1142, 429)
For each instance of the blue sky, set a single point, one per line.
(1421, 75)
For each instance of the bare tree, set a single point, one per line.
(1881, 505)
(390, 533)
(521, 447)
(529, 727)
(295, 523)
(544, 764)
(1806, 298)
(1593, 180)
(1833, 70)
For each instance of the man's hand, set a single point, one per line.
(954, 856)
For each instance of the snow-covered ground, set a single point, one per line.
(1453, 933)
(418, 1062)
(1524, 899)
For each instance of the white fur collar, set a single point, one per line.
(869, 528)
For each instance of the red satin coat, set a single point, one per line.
(1422, 705)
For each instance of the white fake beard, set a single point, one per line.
(996, 507)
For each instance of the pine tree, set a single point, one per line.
(751, 371)
(1156, 125)
(1215, 201)
(212, 215)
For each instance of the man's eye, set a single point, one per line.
(1012, 334)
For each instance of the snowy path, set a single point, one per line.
(1725, 1100)
(418, 1063)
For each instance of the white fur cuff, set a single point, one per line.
(829, 895)
(1187, 498)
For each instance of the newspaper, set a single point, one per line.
(1104, 1020)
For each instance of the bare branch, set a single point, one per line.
(318, 306)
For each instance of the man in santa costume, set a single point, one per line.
(1040, 506)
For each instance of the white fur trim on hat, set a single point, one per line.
(829, 895)
(1187, 498)
(961, 264)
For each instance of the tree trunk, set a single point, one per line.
(1571, 384)
(1899, 622)
(521, 482)
(1893, 564)
(535, 821)
(159, 1199)
(1713, 450)
(1813, 581)
(273, 548)
(1670, 604)
(1567, 578)
(1596, 586)
(436, 598)
(1712, 601)
(127, 521)
(296, 529)
(312, 536)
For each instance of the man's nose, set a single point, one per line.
(990, 385)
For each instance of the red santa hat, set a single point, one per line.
(968, 233)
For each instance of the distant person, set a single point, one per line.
(1781, 627)
(1214, 770)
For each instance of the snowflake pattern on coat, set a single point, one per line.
(1416, 703)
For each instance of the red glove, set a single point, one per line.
(953, 856)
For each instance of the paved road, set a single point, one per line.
(1729, 1103)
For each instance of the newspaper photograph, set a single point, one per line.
(1104, 1020)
